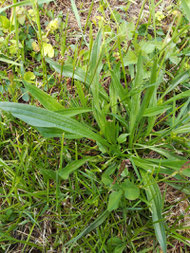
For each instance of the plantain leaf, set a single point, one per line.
(69, 112)
(51, 104)
(46, 100)
(39, 117)
(186, 8)
(179, 79)
(67, 71)
(155, 201)
(9, 61)
(155, 110)
(177, 97)
(49, 132)
(74, 7)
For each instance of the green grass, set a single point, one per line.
(94, 133)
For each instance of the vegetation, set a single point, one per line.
(94, 133)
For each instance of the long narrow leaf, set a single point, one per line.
(74, 7)
(135, 101)
(49, 132)
(178, 97)
(155, 200)
(69, 112)
(71, 167)
(9, 61)
(182, 77)
(39, 117)
(51, 104)
(186, 7)
(67, 71)
(91, 227)
(46, 100)
(24, 3)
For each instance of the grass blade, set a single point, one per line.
(91, 227)
(24, 3)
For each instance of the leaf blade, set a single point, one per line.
(39, 117)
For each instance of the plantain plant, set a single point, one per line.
(131, 117)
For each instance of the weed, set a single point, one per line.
(116, 123)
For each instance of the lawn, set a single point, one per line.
(94, 126)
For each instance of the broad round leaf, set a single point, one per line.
(131, 191)
(114, 200)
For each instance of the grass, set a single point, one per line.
(94, 134)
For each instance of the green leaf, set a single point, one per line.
(150, 99)
(122, 138)
(46, 100)
(186, 8)
(178, 97)
(177, 165)
(130, 58)
(79, 73)
(29, 76)
(95, 54)
(71, 167)
(106, 179)
(147, 47)
(73, 111)
(115, 245)
(49, 132)
(48, 50)
(131, 191)
(119, 89)
(76, 13)
(91, 227)
(164, 166)
(179, 79)
(48, 174)
(155, 201)
(114, 200)
(186, 172)
(39, 117)
(4, 22)
(135, 101)
(9, 61)
(126, 30)
(182, 129)
(120, 248)
(153, 111)
(51, 104)
(24, 3)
